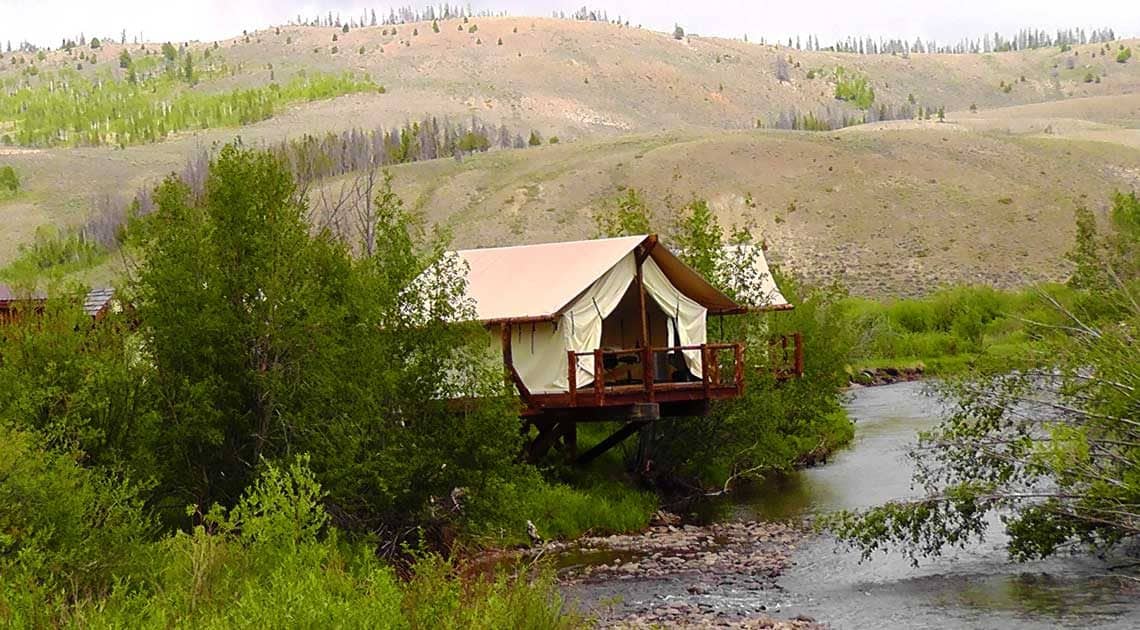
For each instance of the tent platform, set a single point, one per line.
(638, 404)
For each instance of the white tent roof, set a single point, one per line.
(537, 282)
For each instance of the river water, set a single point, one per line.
(976, 587)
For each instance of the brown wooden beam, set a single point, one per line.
(645, 248)
(572, 376)
(613, 440)
(599, 378)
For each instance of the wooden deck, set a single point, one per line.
(640, 400)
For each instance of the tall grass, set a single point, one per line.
(952, 327)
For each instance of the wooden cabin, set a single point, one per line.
(609, 329)
(97, 303)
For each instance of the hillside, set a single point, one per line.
(890, 207)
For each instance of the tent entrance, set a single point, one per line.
(621, 330)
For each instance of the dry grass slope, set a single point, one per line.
(896, 207)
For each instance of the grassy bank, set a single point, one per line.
(953, 329)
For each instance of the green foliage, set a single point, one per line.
(774, 425)
(53, 253)
(699, 238)
(125, 59)
(9, 181)
(535, 139)
(1086, 254)
(1124, 55)
(954, 322)
(73, 110)
(596, 505)
(1050, 441)
(63, 529)
(82, 388)
(627, 215)
(257, 328)
(271, 558)
(853, 87)
(472, 141)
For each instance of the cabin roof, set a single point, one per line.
(95, 301)
(537, 282)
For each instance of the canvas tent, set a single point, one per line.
(584, 295)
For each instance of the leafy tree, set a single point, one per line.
(188, 69)
(627, 215)
(169, 52)
(1124, 55)
(535, 139)
(1052, 446)
(853, 87)
(1086, 254)
(699, 238)
(125, 59)
(256, 328)
(434, 26)
(472, 141)
(95, 42)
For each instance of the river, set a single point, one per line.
(975, 587)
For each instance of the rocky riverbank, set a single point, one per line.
(676, 575)
(887, 376)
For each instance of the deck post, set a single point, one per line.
(599, 377)
(705, 368)
(647, 371)
(738, 376)
(572, 376)
(570, 440)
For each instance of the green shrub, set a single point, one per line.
(271, 558)
(1124, 55)
(63, 528)
(558, 510)
(9, 181)
(55, 253)
(854, 88)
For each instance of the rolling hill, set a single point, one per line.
(893, 207)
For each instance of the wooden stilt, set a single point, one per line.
(613, 440)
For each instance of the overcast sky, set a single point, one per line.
(47, 22)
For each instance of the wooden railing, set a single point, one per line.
(721, 367)
(722, 370)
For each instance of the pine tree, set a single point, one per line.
(678, 32)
